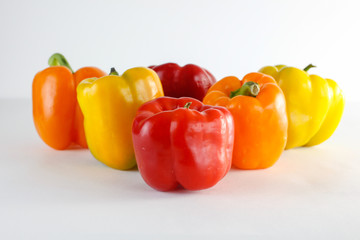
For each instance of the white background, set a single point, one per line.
(226, 37)
(310, 193)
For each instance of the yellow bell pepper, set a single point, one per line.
(314, 104)
(109, 105)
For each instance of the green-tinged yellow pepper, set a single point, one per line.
(314, 104)
(109, 105)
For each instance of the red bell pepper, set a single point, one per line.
(177, 144)
(188, 81)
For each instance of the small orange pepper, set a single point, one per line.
(56, 112)
(258, 107)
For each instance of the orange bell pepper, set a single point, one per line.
(56, 112)
(258, 107)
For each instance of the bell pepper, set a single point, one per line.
(56, 113)
(258, 107)
(109, 105)
(187, 81)
(314, 104)
(181, 142)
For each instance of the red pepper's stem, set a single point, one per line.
(251, 89)
(113, 72)
(57, 59)
(187, 105)
(308, 67)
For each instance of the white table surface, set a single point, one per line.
(310, 193)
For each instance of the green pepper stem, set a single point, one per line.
(308, 67)
(113, 72)
(187, 105)
(251, 89)
(57, 59)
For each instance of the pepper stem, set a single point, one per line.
(187, 105)
(251, 89)
(57, 59)
(113, 72)
(308, 67)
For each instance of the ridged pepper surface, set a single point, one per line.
(57, 116)
(257, 105)
(109, 105)
(314, 104)
(181, 142)
(187, 81)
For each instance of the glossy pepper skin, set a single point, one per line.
(187, 81)
(314, 104)
(180, 141)
(56, 113)
(260, 120)
(109, 105)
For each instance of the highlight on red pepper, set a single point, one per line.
(187, 81)
(182, 142)
(56, 112)
(258, 106)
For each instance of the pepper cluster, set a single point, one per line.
(192, 136)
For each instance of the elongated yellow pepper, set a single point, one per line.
(109, 105)
(314, 105)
